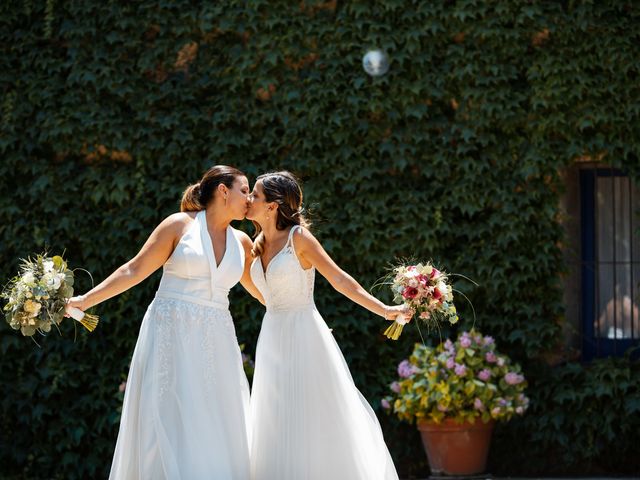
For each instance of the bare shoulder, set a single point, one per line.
(176, 223)
(303, 239)
(179, 219)
(309, 251)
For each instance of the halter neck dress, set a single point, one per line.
(185, 411)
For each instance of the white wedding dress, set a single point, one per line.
(186, 406)
(310, 422)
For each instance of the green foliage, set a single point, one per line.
(108, 110)
(582, 420)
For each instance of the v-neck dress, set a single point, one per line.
(185, 411)
(309, 421)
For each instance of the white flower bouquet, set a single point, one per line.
(37, 296)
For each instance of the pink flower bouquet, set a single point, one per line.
(426, 290)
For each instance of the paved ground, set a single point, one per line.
(489, 477)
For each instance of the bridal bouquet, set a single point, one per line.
(37, 296)
(426, 290)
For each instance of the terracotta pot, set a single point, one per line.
(454, 448)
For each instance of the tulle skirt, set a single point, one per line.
(185, 412)
(310, 422)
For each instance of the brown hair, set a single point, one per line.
(197, 196)
(284, 189)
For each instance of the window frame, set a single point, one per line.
(595, 346)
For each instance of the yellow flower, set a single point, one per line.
(32, 308)
(443, 388)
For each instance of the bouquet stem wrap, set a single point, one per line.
(395, 329)
(88, 321)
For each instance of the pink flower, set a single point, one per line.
(484, 374)
(435, 274)
(425, 315)
(385, 404)
(409, 292)
(423, 279)
(500, 362)
(448, 345)
(395, 386)
(519, 410)
(460, 370)
(488, 340)
(490, 357)
(513, 378)
(478, 405)
(406, 369)
(496, 411)
(437, 294)
(450, 363)
(465, 342)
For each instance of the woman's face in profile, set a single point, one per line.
(258, 204)
(238, 198)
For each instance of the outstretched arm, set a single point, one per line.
(246, 281)
(153, 254)
(311, 253)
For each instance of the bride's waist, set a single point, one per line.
(290, 308)
(216, 301)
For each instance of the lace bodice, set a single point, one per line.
(285, 285)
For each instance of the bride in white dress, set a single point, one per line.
(185, 413)
(309, 419)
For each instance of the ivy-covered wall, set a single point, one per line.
(109, 109)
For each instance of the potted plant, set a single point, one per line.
(455, 392)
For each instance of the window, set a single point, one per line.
(610, 205)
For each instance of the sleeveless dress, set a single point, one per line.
(310, 422)
(186, 405)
